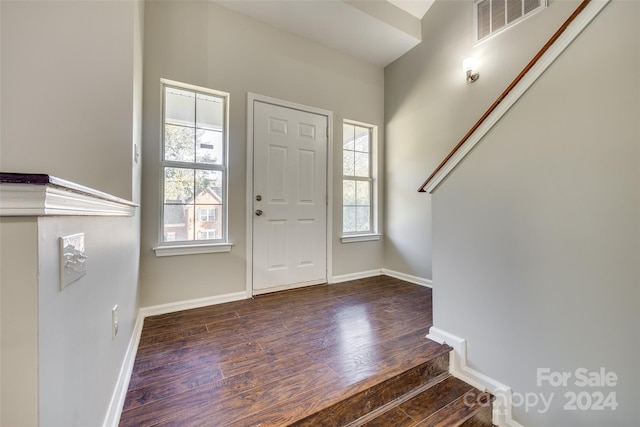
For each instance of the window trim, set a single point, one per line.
(223, 244)
(543, 5)
(373, 233)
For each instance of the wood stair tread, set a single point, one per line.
(449, 403)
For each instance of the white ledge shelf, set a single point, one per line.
(354, 238)
(192, 249)
(46, 195)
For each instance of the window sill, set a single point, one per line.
(192, 249)
(360, 238)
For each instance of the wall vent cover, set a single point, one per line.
(494, 16)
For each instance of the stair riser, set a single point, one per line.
(368, 400)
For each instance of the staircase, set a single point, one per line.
(423, 395)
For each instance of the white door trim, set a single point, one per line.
(251, 98)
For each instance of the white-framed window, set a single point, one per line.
(359, 207)
(494, 16)
(193, 164)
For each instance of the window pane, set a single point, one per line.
(179, 106)
(362, 139)
(363, 219)
(363, 193)
(209, 146)
(347, 136)
(176, 222)
(208, 187)
(348, 193)
(497, 14)
(349, 219)
(348, 163)
(209, 112)
(179, 143)
(209, 224)
(361, 164)
(178, 185)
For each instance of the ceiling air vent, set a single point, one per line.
(493, 16)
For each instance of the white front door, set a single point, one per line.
(289, 198)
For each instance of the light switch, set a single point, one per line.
(72, 259)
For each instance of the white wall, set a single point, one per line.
(79, 362)
(71, 107)
(429, 107)
(537, 233)
(204, 44)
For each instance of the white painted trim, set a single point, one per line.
(225, 246)
(502, 415)
(172, 307)
(355, 276)
(360, 238)
(565, 39)
(162, 251)
(61, 198)
(112, 418)
(251, 98)
(407, 277)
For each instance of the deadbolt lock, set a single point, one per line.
(258, 197)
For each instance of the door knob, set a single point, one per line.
(258, 212)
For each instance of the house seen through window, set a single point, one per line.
(193, 164)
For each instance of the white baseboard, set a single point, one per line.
(112, 419)
(355, 276)
(502, 415)
(172, 307)
(407, 277)
(383, 271)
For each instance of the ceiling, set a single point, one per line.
(376, 31)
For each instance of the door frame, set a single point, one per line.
(251, 99)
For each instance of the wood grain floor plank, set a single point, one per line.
(226, 411)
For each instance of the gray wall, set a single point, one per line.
(18, 322)
(429, 107)
(67, 91)
(207, 45)
(536, 243)
(71, 107)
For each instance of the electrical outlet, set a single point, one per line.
(114, 321)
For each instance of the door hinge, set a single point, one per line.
(327, 131)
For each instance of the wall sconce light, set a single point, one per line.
(470, 67)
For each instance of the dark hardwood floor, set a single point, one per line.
(278, 358)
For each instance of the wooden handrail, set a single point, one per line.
(493, 106)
